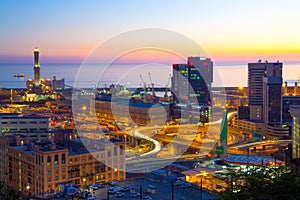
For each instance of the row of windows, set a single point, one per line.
(24, 122)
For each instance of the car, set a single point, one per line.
(178, 182)
(100, 185)
(111, 190)
(125, 189)
(95, 188)
(113, 183)
(120, 194)
(88, 195)
(147, 198)
(134, 194)
(186, 185)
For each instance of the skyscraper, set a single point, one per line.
(256, 72)
(36, 68)
(205, 67)
(180, 83)
(272, 98)
(191, 82)
(264, 85)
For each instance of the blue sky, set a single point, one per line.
(233, 30)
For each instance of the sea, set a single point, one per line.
(131, 75)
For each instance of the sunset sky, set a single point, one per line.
(230, 31)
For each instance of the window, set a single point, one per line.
(63, 158)
(48, 161)
(115, 151)
(56, 160)
(108, 151)
(121, 150)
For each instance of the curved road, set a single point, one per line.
(157, 145)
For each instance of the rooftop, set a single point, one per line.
(251, 160)
(25, 149)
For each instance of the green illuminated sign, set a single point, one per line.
(220, 150)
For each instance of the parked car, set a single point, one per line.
(88, 195)
(134, 194)
(147, 198)
(178, 183)
(100, 185)
(186, 185)
(120, 194)
(111, 190)
(113, 183)
(125, 189)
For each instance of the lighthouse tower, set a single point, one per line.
(36, 68)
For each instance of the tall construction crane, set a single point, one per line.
(152, 84)
(144, 85)
(167, 85)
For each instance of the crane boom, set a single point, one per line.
(153, 92)
(166, 92)
(144, 84)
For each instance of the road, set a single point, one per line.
(150, 133)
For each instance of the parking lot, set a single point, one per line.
(163, 191)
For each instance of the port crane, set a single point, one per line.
(152, 84)
(144, 85)
(167, 85)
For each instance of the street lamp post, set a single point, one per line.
(28, 190)
(107, 195)
(201, 189)
(172, 190)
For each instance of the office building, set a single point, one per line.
(58, 85)
(287, 102)
(265, 100)
(256, 72)
(191, 82)
(272, 100)
(205, 67)
(15, 123)
(132, 113)
(295, 110)
(180, 85)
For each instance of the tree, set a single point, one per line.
(263, 183)
(8, 193)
